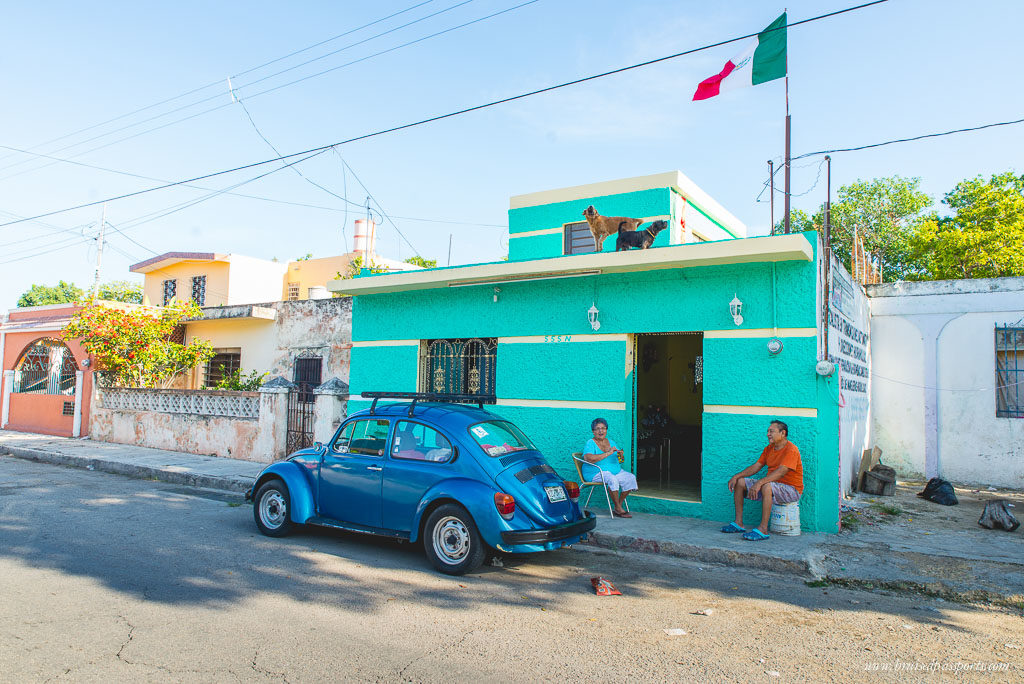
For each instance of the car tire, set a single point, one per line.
(272, 508)
(452, 541)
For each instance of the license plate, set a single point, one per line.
(555, 494)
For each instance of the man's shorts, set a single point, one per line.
(781, 493)
(623, 480)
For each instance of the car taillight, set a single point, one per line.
(572, 489)
(505, 504)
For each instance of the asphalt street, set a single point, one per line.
(106, 578)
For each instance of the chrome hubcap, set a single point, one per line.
(273, 510)
(451, 540)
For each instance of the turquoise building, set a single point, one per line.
(651, 340)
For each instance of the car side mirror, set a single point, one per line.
(320, 448)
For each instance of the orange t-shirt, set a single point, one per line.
(788, 456)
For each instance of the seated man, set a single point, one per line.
(784, 482)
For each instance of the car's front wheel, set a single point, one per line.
(271, 507)
(452, 541)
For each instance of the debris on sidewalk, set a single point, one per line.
(675, 631)
(603, 587)
(940, 491)
(705, 611)
(997, 515)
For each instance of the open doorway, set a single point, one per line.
(669, 405)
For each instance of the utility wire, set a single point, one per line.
(241, 87)
(916, 137)
(439, 117)
(219, 81)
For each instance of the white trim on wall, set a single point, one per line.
(762, 410)
(559, 339)
(541, 231)
(740, 333)
(560, 404)
(386, 343)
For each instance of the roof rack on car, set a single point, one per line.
(478, 399)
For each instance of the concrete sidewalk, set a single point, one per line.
(944, 552)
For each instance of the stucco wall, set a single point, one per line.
(43, 413)
(933, 380)
(551, 365)
(320, 326)
(210, 435)
(253, 280)
(216, 273)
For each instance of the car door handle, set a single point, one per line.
(375, 468)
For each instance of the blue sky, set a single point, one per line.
(899, 69)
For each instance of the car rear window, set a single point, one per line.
(498, 438)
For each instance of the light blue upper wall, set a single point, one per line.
(650, 301)
(639, 204)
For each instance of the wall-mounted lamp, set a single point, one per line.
(496, 291)
(774, 346)
(592, 314)
(736, 309)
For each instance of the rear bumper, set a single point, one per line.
(550, 534)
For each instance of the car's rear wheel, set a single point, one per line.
(271, 507)
(452, 541)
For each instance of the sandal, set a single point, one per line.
(755, 535)
(622, 515)
(733, 528)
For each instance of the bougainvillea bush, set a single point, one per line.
(134, 345)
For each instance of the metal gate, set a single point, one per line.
(301, 403)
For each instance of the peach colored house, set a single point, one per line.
(47, 381)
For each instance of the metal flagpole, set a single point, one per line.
(771, 190)
(787, 144)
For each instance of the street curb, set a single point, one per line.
(141, 472)
(810, 566)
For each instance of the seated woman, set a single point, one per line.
(604, 455)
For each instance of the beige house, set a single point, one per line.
(242, 316)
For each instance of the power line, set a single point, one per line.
(241, 87)
(916, 137)
(439, 117)
(219, 81)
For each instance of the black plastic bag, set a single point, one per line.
(998, 516)
(940, 491)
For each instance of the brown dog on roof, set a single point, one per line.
(603, 226)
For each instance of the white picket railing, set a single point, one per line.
(192, 402)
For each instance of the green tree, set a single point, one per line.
(235, 381)
(133, 344)
(420, 261)
(309, 255)
(121, 291)
(884, 213)
(61, 293)
(984, 238)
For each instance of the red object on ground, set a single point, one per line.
(603, 587)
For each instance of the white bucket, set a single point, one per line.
(785, 519)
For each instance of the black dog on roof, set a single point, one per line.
(638, 239)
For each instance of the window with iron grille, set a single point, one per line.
(293, 291)
(459, 366)
(170, 290)
(69, 408)
(577, 239)
(223, 363)
(199, 290)
(308, 369)
(1009, 372)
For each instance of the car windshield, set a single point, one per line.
(498, 438)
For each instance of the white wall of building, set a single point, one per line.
(251, 281)
(933, 380)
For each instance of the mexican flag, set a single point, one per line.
(763, 60)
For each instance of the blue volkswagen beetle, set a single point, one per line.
(455, 476)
